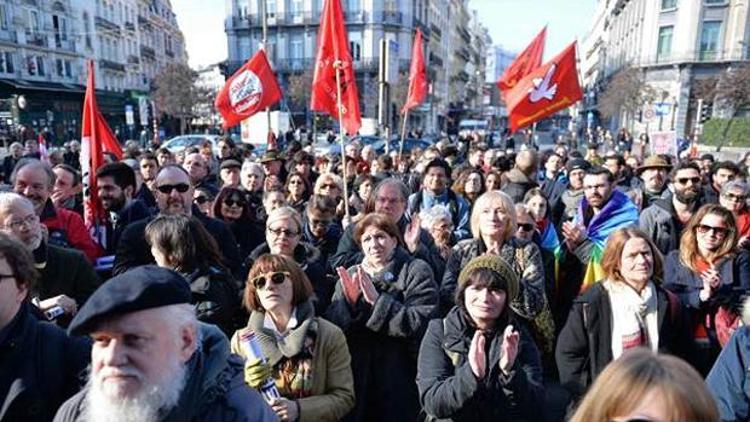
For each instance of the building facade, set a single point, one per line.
(674, 43)
(44, 46)
(292, 46)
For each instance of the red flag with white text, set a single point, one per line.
(96, 139)
(252, 88)
(526, 61)
(551, 87)
(333, 47)
(417, 75)
(42, 145)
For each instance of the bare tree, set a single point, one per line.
(299, 87)
(626, 91)
(175, 92)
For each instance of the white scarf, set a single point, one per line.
(634, 319)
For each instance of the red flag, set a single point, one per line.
(252, 88)
(96, 138)
(525, 63)
(546, 90)
(333, 47)
(417, 75)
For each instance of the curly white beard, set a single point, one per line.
(148, 405)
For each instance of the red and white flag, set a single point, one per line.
(96, 138)
(551, 87)
(42, 144)
(333, 47)
(526, 61)
(252, 88)
(417, 75)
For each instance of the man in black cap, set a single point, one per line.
(40, 366)
(573, 195)
(153, 361)
(174, 194)
(229, 173)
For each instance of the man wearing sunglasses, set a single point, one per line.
(664, 220)
(174, 195)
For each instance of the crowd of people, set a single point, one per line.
(462, 282)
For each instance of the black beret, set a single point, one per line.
(144, 287)
(577, 163)
(230, 164)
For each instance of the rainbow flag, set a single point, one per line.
(549, 241)
(617, 213)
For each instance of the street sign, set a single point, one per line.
(129, 118)
(649, 114)
(662, 109)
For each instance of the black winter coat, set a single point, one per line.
(448, 389)
(584, 347)
(40, 368)
(383, 338)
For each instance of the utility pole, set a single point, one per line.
(384, 109)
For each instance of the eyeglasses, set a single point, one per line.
(200, 200)
(234, 201)
(736, 198)
(527, 227)
(684, 180)
(285, 232)
(719, 231)
(27, 221)
(260, 282)
(167, 189)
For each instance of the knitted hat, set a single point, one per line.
(495, 264)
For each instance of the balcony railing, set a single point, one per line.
(365, 64)
(169, 53)
(697, 56)
(130, 26)
(385, 17)
(36, 39)
(106, 25)
(143, 21)
(133, 59)
(107, 64)
(148, 52)
(435, 30)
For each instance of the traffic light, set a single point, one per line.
(705, 111)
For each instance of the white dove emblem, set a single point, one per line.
(542, 89)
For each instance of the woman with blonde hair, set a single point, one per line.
(628, 309)
(643, 386)
(710, 277)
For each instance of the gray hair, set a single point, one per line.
(735, 184)
(252, 166)
(437, 212)
(24, 162)
(397, 183)
(8, 199)
(285, 212)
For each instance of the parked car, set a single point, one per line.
(182, 142)
(394, 145)
(335, 148)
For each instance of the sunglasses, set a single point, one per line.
(733, 197)
(719, 231)
(167, 189)
(684, 180)
(285, 232)
(260, 282)
(527, 227)
(200, 200)
(234, 201)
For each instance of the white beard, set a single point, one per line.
(147, 405)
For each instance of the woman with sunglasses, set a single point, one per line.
(711, 277)
(204, 200)
(231, 206)
(284, 237)
(645, 387)
(306, 355)
(383, 305)
(733, 197)
(297, 191)
(181, 243)
(479, 363)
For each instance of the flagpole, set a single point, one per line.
(337, 66)
(264, 24)
(403, 134)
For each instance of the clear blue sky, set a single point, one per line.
(512, 23)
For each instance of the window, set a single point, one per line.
(664, 47)
(297, 53)
(356, 50)
(87, 29)
(714, 1)
(6, 62)
(668, 4)
(295, 7)
(271, 8)
(68, 69)
(60, 67)
(34, 24)
(709, 42)
(40, 65)
(3, 16)
(61, 30)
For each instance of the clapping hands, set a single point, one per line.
(354, 285)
